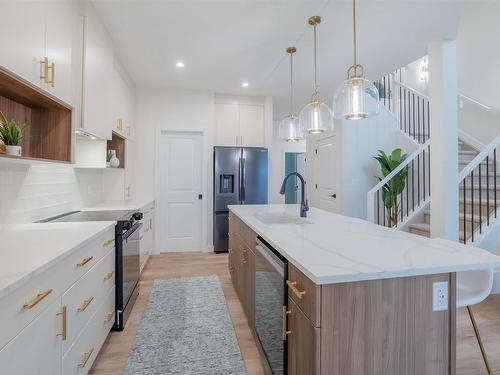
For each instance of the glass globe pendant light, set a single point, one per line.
(357, 98)
(316, 116)
(289, 128)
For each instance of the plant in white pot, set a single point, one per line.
(11, 134)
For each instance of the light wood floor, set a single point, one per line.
(113, 355)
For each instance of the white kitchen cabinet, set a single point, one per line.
(239, 124)
(33, 31)
(97, 110)
(227, 130)
(147, 243)
(37, 349)
(123, 102)
(129, 169)
(252, 125)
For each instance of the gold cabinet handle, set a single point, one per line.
(64, 314)
(85, 358)
(108, 318)
(52, 68)
(44, 66)
(109, 275)
(293, 287)
(243, 255)
(84, 261)
(108, 242)
(35, 301)
(284, 330)
(85, 304)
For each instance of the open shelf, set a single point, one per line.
(117, 143)
(48, 131)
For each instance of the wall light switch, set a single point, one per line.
(440, 296)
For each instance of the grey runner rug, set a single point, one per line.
(186, 329)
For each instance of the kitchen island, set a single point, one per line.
(360, 296)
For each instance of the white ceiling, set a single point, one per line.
(226, 42)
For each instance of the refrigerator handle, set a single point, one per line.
(240, 174)
(242, 180)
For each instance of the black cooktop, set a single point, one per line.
(77, 216)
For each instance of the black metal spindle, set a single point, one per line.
(464, 211)
(378, 207)
(418, 121)
(400, 110)
(480, 204)
(405, 110)
(407, 195)
(383, 214)
(495, 179)
(413, 186)
(488, 190)
(472, 202)
(418, 179)
(428, 120)
(413, 115)
(423, 174)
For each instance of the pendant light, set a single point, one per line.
(357, 98)
(290, 130)
(316, 116)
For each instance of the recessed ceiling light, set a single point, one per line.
(180, 64)
(244, 84)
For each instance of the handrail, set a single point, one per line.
(400, 167)
(474, 101)
(479, 158)
(399, 83)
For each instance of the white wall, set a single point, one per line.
(34, 191)
(176, 110)
(277, 155)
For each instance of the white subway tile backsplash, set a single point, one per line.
(31, 192)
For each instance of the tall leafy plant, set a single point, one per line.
(392, 190)
(11, 133)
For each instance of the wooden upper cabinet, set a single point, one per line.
(252, 125)
(226, 124)
(97, 109)
(34, 31)
(239, 124)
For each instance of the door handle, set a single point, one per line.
(333, 195)
(200, 196)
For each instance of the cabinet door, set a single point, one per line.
(303, 343)
(252, 125)
(22, 38)
(232, 254)
(37, 349)
(61, 26)
(227, 124)
(97, 80)
(129, 169)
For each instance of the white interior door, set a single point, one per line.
(180, 184)
(326, 174)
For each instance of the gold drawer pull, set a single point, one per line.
(284, 330)
(40, 296)
(85, 358)
(108, 318)
(243, 255)
(109, 275)
(108, 242)
(84, 261)
(64, 315)
(85, 304)
(293, 286)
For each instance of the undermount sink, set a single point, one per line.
(280, 218)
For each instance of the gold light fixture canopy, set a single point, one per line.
(316, 117)
(357, 98)
(289, 128)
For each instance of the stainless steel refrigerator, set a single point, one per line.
(240, 177)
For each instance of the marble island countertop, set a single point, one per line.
(30, 249)
(331, 248)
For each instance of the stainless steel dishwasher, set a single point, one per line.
(271, 271)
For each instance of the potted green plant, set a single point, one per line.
(109, 155)
(395, 186)
(11, 134)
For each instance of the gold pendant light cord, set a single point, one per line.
(354, 30)
(315, 63)
(291, 83)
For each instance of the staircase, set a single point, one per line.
(479, 187)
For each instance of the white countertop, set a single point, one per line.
(119, 205)
(331, 248)
(30, 249)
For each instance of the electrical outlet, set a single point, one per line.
(440, 296)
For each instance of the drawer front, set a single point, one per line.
(81, 356)
(85, 297)
(21, 307)
(305, 294)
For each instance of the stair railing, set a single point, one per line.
(479, 181)
(415, 172)
(411, 108)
